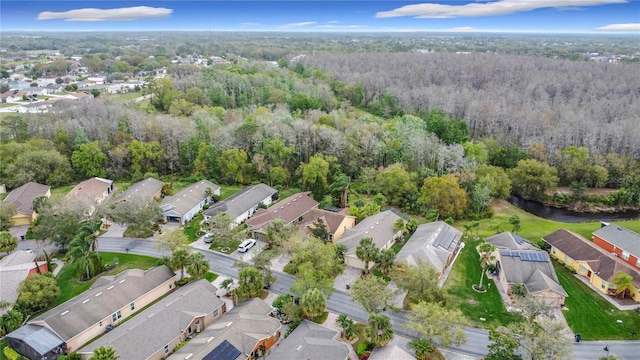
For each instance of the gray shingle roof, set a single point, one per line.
(149, 331)
(107, 295)
(23, 196)
(242, 201)
(378, 227)
(537, 276)
(507, 240)
(310, 341)
(288, 210)
(37, 337)
(90, 189)
(431, 243)
(243, 326)
(145, 189)
(14, 269)
(623, 238)
(390, 352)
(188, 198)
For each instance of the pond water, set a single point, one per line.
(569, 216)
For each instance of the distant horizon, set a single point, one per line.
(337, 16)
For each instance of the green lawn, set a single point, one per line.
(192, 229)
(465, 273)
(590, 315)
(68, 280)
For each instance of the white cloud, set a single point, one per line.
(499, 7)
(249, 24)
(300, 24)
(464, 29)
(119, 14)
(620, 27)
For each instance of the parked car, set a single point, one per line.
(208, 238)
(246, 245)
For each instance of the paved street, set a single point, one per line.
(340, 302)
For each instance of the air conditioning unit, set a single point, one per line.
(614, 254)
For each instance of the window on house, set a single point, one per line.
(625, 255)
(114, 317)
(566, 258)
(554, 250)
(166, 349)
(604, 284)
(582, 270)
(215, 312)
(133, 306)
(118, 314)
(638, 262)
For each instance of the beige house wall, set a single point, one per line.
(347, 223)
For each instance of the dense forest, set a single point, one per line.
(409, 126)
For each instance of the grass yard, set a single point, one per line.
(192, 229)
(465, 273)
(68, 280)
(590, 315)
(59, 192)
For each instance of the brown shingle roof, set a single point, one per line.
(580, 249)
(90, 189)
(332, 220)
(23, 196)
(287, 210)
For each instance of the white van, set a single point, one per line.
(246, 245)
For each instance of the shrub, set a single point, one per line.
(11, 354)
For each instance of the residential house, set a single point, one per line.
(11, 96)
(388, 352)
(310, 341)
(335, 222)
(509, 241)
(155, 332)
(14, 269)
(245, 332)
(90, 193)
(109, 301)
(22, 197)
(379, 227)
(36, 91)
(183, 206)
(243, 204)
(620, 241)
(36, 342)
(97, 79)
(38, 107)
(435, 243)
(80, 96)
(148, 190)
(591, 261)
(290, 210)
(534, 270)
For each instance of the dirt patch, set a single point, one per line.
(471, 301)
(590, 191)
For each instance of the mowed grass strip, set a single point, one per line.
(590, 315)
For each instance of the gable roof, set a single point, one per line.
(149, 331)
(580, 249)
(622, 238)
(14, 269)
(431, 243)
(507, 240)
(288, 210)
(390, 352)
(332, 220)
(188, 198)
(310, 341)
(242, 201)
(532, 268)
(145, 189)
(90, 189)
(23, 196)
(243, 326)
(38, 338)
(107, 295)
(378, 227)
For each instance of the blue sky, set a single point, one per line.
(533, 16)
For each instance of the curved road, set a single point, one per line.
(340, 302)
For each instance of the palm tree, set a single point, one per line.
(476, 226)
(497, 225)
(379, 331)
(81, 250)
(10, 321)
(486, 256)
(421, 347)
(433, 215)
(401, 226)
(367, 252)
(467, 229)
(179, 260)
(385, 261)
(313, 303)
(623, 282)
(250, 280)
(105, 353)
(514, 220)
(341, 185)
(197, 265)
(347, 325)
